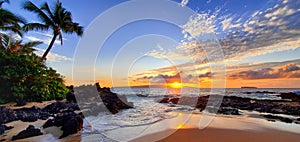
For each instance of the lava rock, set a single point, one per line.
(113, 103)
(265, 92)
(58, 107)
(4, 128)
(279, 118)
(290, 95)
(229, 111)
(69, 121)
(72, 126)
(29, 132)
(165, 100)
(71, 96)
(234, 102)
(28, 114)
(7, 115)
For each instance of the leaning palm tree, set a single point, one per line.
(58, 20)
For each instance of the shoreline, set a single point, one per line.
(216, 135)
(184, 126)
(254, 117)
(173, 127)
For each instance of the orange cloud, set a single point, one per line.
(286, 71)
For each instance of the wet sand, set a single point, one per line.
(224, 135)
(184, 127)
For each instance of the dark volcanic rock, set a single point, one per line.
(69, 121)
(4, 128)
(280, 118)
(34, 113)
(269, 106)
(72, 126)
(265, 92)
(6, 115)
(290, 95)
(28, 114)
(58, 107)
(71, 96)
(29, 132)
(113, 101)
(55, 107)
(165, 100)
(229, 111)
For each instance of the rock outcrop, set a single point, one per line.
(113, 101)
(30, 131)
(6, 115)
(3, 128)
(233, 102)
(69, 121)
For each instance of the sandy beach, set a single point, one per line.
(184, 127)
(217, 135)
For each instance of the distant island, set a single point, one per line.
(248, 87)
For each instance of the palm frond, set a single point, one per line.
(40, 13)
(9, 17)
(45, 7)
(72, 27)
(32, 44)
(35, 26)
(13, 28)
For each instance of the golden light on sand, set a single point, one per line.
(175, 85)
(180, 126)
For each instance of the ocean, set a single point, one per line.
(147, 110)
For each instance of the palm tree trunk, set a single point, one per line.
(49, 47)
(1, 45)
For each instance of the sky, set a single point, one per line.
(199, 43)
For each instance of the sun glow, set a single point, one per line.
(175, 85)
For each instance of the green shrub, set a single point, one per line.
(24, 78)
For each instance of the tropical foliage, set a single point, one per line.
(23, 77)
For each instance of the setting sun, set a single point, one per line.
(175, 85)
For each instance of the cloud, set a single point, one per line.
(206, 75)
(286, 71)
(264, 31)
(166, 78)
(272, 29)
(184, 3)
(45, 34)
(199, 24)
(52, 57)
(31, 38)
(228, 24)
(46, 40)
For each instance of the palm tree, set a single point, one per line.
(17, 46)
(58, 20)
(9, 22)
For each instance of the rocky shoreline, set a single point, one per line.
(63, 114)
(67, 116)
(231, 105)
